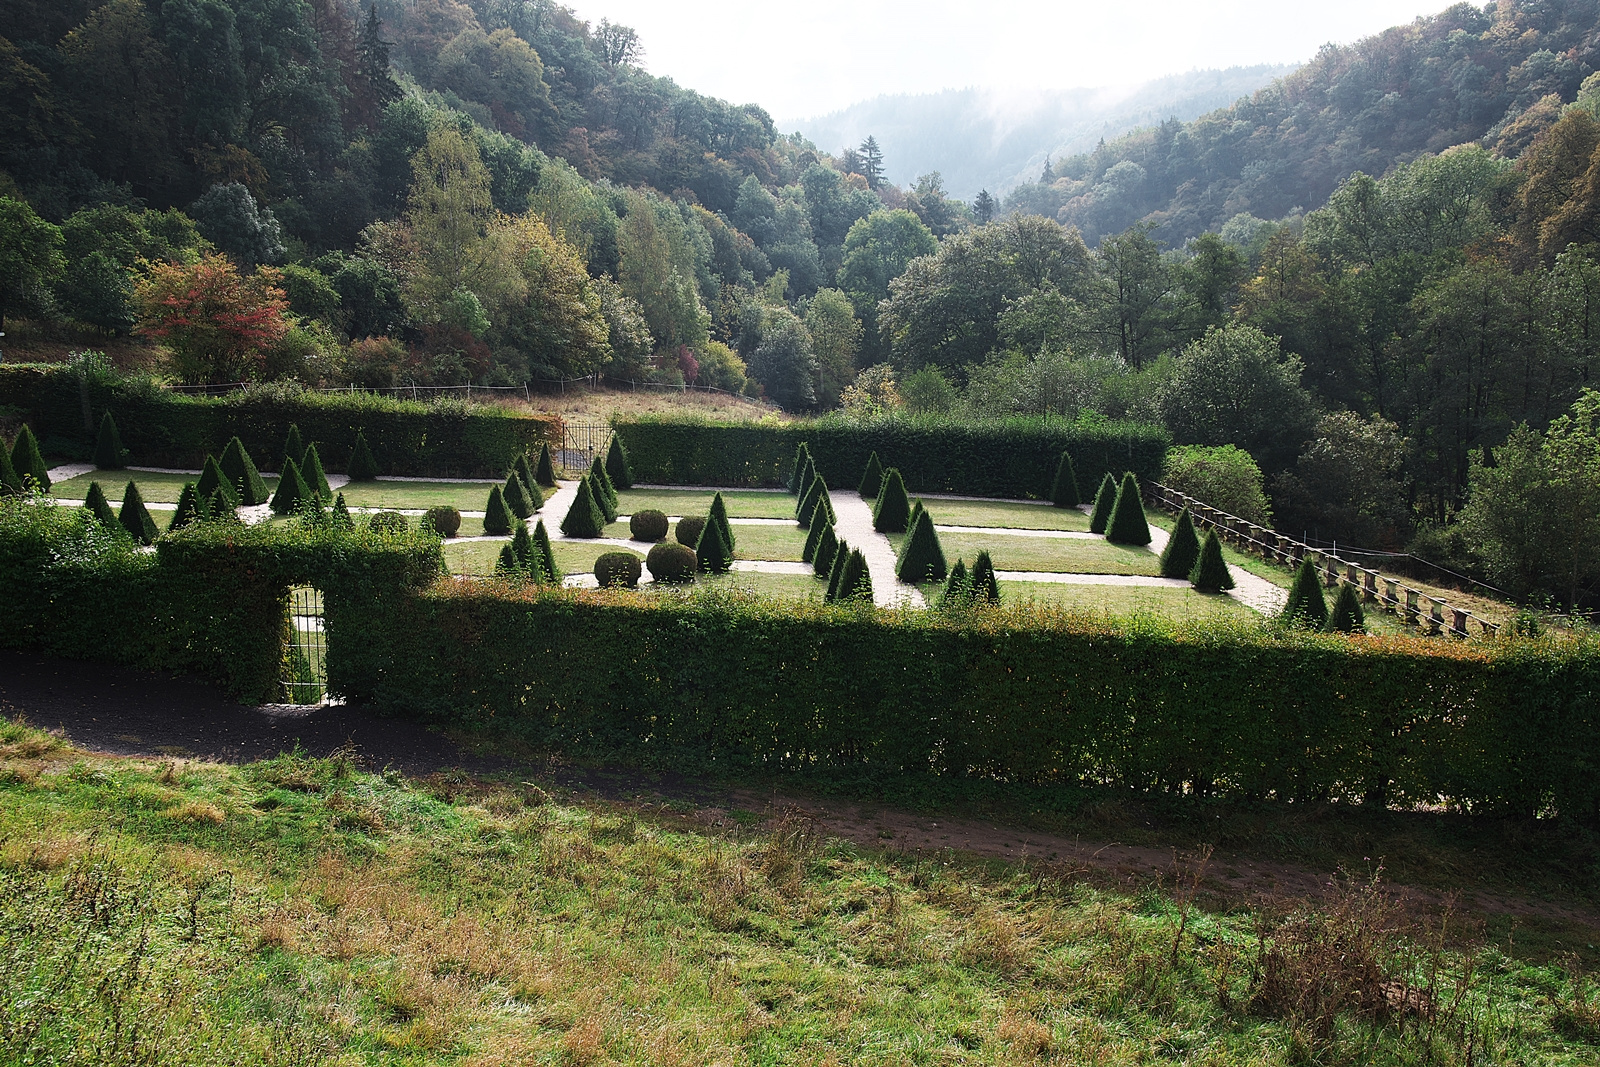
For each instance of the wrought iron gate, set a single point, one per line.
(305, 677)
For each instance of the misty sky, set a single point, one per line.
(802, 60)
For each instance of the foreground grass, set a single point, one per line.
(302, 912)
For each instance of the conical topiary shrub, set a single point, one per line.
(1210, 573)
(827, 545)
(957, 587)
(524, 471)
(363, 466)
(719, 515)
(605, 495)
(1104, 501)
(522, 547)
(293, 448)
(807, 476)
(1064, 490)
(292, 490)
(810, 502)
(1128, 525)
(497, 516)
(584, 518)
(813, 536)
(191, 508)
(316, 479)
(516, 496)
(841, 556)
(712, 554)
(872, 479)
(544, 472)
(10, 483)
(921, 557)
(855, 583)
(1183, 548)
(108, 450)
(28, 462)
(535, 497)
(213, 480)
(341, 514)
(617, 465)
(546, 554)
(241, 472)
(916, 510)
(1347, 616)
(506, 565)
(219, 510)
(893, 509)
(1306, 606)
(135, 517)
(97, 504)
(802, 456)
(985, 586)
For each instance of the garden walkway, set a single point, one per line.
(854, 526)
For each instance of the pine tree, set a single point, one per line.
(893, 509)
(985, 586)
(958, 587)
(802, 456)
(95, 500)
(827, 546)
(1347, 617)
(921, 557)
(497, 517)
(617, 464)
(522, 547)
(372, 64)
(872, 163)
(10, 482)
(1064, 490)
(363, 467)
(856, 581)
(545, 472)
(341, 514)
(516, 496)
(316, 479)
(712, 553)
(872, 480)
(1307, 607)
(1128, 525)
(547, 554)
(1210, 573)
(584, 517)
(809, 503)
(1104, 501)
(27, 461)
(108, 451)
(1183, 548)
(135, 517)
(293, 448)
(719, 515)
(841, 556)
(213, 480)
(190, 508)
(242, 474)
(292, 490)
(605, 492)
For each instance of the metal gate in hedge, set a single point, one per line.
(583, 438)
(305, 664)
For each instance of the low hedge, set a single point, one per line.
(159, 428)
(1009, 458)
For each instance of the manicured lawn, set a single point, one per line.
(423, 495)
(782, 543)
(1127, 600)
(1005, 513)
(1012, 552)
(778, 586)
(154, 488)
(741, 503)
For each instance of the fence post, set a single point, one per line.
(1411, 611)
(1458, 622)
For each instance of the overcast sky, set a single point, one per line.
(799, 60)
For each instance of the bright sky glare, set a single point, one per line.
(816, 57)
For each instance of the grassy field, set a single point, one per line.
(1060, 555)
(1127, 600)
(1005, 513)
(741, 503)
(603, 403)
(304, 912)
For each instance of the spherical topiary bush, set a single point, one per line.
(672, 563)
(689, 528)
(618, 569)
(648, 524)
(444, 520)
(389, 522)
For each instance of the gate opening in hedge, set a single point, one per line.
(305, 663)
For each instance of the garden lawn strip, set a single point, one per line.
(741, 503)
(1074, 555)
(1180, 602)
(155, 488)
(1002, 513)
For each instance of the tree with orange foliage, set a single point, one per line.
(217, 323)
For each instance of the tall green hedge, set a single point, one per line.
(1013, 458)
(165, 429)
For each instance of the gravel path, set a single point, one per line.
(854, 525)
(1252, 592)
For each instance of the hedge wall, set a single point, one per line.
(1013, 458)
(1021, 696)
(164, 429)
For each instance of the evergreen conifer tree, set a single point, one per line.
(27, 461)
(807, 476)
(535, 497)
(10, 482)
(584, 518)
(1347, 616)
(293, 448)
(802, 455)
(516, 496)
(522, 547)
(242, 474)
(810, 502)
(916, 509)
(921, 557)
(545, 471)
(1183, 548)
(872, 480)
(712, 553)
(212, 479)
(893, 508)
(135, 517)
(813, 537)
(957, 587)
(219, 510)
(1064, 490)
(827, 545)
(856, 581)
(985, 586)
(316, 479)
(1210, 573)
(617, 467)
(292, 490)
(524, 471)
(841, 556)
(363, 466)
(547, 554)
(605, 495)
(95, 500)
(1104, 501)
(1128, 525)
(190, 508)
(506, 565)
(108, 445)
(1307, 607)
(341, 514)
(497, 516)
(719, 515)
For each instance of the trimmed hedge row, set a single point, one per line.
(1014, 458)
(163, 429)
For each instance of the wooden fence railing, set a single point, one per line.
(1411, 606)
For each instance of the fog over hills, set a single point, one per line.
(997, 139)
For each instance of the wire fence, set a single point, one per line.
(542, 386)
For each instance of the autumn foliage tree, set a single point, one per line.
(217, 323)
